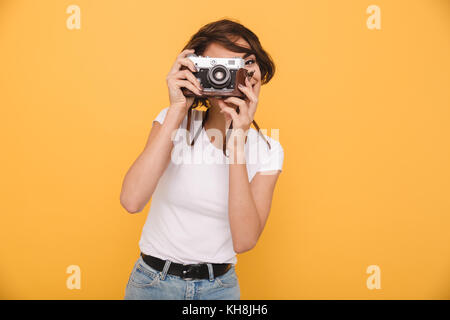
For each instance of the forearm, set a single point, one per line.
(243, 215)
(143, 176)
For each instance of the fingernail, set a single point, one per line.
(240, 85)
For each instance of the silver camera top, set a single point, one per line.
(209, 62)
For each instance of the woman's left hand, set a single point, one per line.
(247, 107)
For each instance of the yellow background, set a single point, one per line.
(363, 118)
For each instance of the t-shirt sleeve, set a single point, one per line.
(274, 159)
(160, 117)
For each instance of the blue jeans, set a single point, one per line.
(146, 283)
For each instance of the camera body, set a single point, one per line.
(219, 77)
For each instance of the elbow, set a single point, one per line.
(133, 210)
(130, 206)
(243, 247)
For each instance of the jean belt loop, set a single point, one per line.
(165, 269)
(211, 271)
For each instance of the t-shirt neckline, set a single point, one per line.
(209, 143)
(206, 137)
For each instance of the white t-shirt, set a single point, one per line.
(188, 218)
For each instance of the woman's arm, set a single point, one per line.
(143, 176)
(249, 203)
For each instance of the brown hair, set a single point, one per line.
(223, 32)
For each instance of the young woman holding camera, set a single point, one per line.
(202, 215)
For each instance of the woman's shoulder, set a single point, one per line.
(261, 139)
(267, 150)
(161, 115)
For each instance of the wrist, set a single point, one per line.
(176, 114)
(178, 109)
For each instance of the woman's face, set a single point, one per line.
(216, 50)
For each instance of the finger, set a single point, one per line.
(231, 112)
(247, 82)
(188, 63)
(186, 74)
(186, 84)
(227, 116)
(248, 91)
(239, 102)
(185, 52)
(252, 89)
(177, 64)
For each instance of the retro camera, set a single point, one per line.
(219, 77)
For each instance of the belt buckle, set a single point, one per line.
(186, 271)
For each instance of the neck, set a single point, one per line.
(216, 120)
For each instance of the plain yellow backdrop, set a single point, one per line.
(363, 118)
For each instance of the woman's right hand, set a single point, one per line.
(179, 77)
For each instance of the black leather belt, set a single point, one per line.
(187, 271)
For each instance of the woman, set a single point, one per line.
(202, 214)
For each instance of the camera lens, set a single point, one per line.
(219, 76)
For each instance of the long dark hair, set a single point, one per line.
(222, 32)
